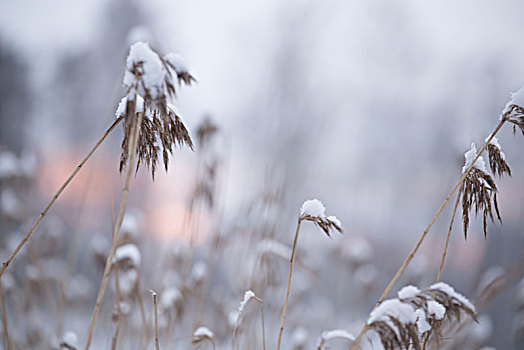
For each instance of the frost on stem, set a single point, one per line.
(313, 210)
(478, 191)
(416, 315)
(150, 86)
(247, 296)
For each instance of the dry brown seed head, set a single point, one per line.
(324, 223)
(497, 162)
(479, 193)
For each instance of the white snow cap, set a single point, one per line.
(121, 109)
(393, 308)
(335, 333)
(408, 292)
(69, 340)
(313, 207)
(151, 69)
(334, 220)
(128, 251)
(203, 332)
(517, 98)
(177, 61)
(299, 336)
(446, 288)
(437, 309)
(9, 164)
(247, 296)
(127, 281)
(470, 156)
(170, 297)
(422, 323)
(130, 225)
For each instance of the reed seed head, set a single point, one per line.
(313, 210)
(478, 192)
(497, 159)
(149, 83)
(417, 315)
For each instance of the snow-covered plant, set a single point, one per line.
(497, 158)
(312, 210)
(514, 110)
(202, 334)
(477, 188)
(334, 333)
(155, 316)
(248, 295)
(478, 191)
(69, 341)
(417, 315)
(150, 85)
(148, 121)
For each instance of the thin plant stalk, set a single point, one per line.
(145, 329)
(235, 331)
(291, 264)
(153, 294)
(263, 326)
(109, 261)
(411, 255)
(7, 342)
(446, 245)
(57, 194)
(118, 309)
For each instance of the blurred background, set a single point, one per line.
(368, 106)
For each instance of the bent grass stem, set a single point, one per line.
(57, 194)
(426, 231)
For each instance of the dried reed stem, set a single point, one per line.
(157, 346)
(235, 331)
(263, 326)
(444, 253)
(109, 261)
(7, 342)
(426, 231)
(118, 309)
(57, 194)
(291, 263)
(145, 329)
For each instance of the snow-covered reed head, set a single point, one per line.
(149, 82)
(478, 191)
(313, 210)
(152, 76)
(514, 110)
(497, 158)
(202, 334)
(412, 319)
(335, 333)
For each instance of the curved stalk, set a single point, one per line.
(291, 263)
(57, 194)
(109, 261)
(426, 231)
(446, 245)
